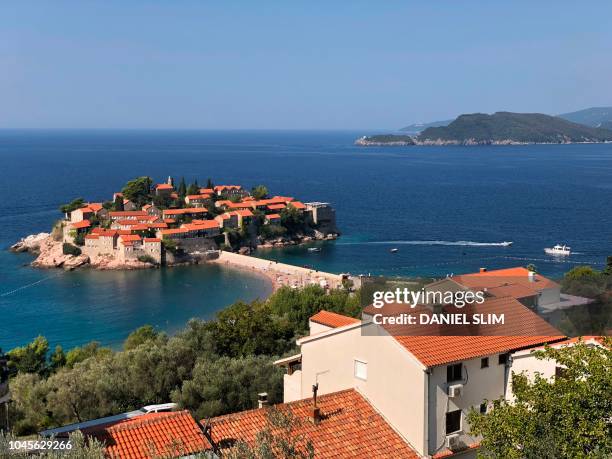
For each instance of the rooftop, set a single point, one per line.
(331, 319)
(349, 427)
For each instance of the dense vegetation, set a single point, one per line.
(389, 139)
(516, 127)
(591, 319)
(594, 116)
(567, 416)
(211, 367)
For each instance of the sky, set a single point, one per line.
(296, 64)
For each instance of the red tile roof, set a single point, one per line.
(163, 186)
(201, 224)
(167, 232)
(92, 236)
(206, 191)
(349, 427)
(130, 238)
(95, 206)
(298, 205)
(273, 216)
(174, 434)
(186, 210)
(242, 213)
(514, 282)
(82, 224)
(331, 319)
(227, 187)
(128, 213)
(152, 239)
(276, 206)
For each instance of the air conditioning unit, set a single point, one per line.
(455, 390)
(452, 441)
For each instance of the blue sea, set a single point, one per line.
(445, 208)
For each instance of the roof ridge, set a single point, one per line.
(136, 423)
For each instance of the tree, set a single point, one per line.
(209, 183)
(182, 188)
(193, 188)
(142, 335)
(118, 203)
(292, 219)
(567, 416)
(531, 267)
(31, 358)
(58, 358)
(277, 440)
(138, 190)
(79, 354)
(259, 192)
(608, 270)
(227, 385)
(75, 204)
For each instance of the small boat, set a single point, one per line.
(394, 250)
(559, 249)
(314, 249)
(506, 243)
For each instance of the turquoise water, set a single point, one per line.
(535, 196)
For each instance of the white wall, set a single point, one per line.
(478, 385)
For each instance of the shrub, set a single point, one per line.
(147, 259)
(69, 249)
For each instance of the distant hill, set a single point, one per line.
(594, 117)
(508, 128)
(417, 128)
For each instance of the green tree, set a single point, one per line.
(138, 190)
(182, 188)
(79, 354)
(142, 335)
(531, 267)
(193, 188)
(118, 204)
(567, 416)
(31, 358)
(292, 219)
(73, 205)
(259, 192)
(57, 359)
(226, 385)
(608, 270)
(209, 183)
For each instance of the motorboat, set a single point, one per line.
(506, 243)
(314, 249)
(394, 250)
(558, 250)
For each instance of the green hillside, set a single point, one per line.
(502, 127)
(594, 117)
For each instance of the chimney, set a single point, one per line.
(315, 411)
(483, 270)
(262, 399)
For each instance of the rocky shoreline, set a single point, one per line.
(49, 253)
(364, 142)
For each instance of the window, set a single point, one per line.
(483, 408)
(503, 359)
(484, 363)
(453, 421)
(361, 370)
(453, 372)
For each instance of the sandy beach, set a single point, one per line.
(280, 274)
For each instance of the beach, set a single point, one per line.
(280, 274)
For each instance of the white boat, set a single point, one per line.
(558, 250)
(314, 249)
(506, 243)
(393, 250)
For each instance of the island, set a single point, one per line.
(149, 225)
(501, 128)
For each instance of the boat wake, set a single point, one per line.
(457, 243)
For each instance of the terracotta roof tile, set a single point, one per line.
(350, 427)
(331, 319)
(174, 434)
(82, 224)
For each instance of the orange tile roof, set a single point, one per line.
(201, 224)
(95, 206)
(273, 216)
(242, 213)
(129, 238)
(152, 239)
(82, 224)
(276, 206)
(206, 191)
(163, 186)
(298, 205)
(514, 282)
(166, 232)
(186, 210)
(128, 213)
(331, 319)
(197, 196)
(169, 221)
(349, 427)
(174, 434)
(227, 187)
(92, 236)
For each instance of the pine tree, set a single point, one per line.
(182, 188)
